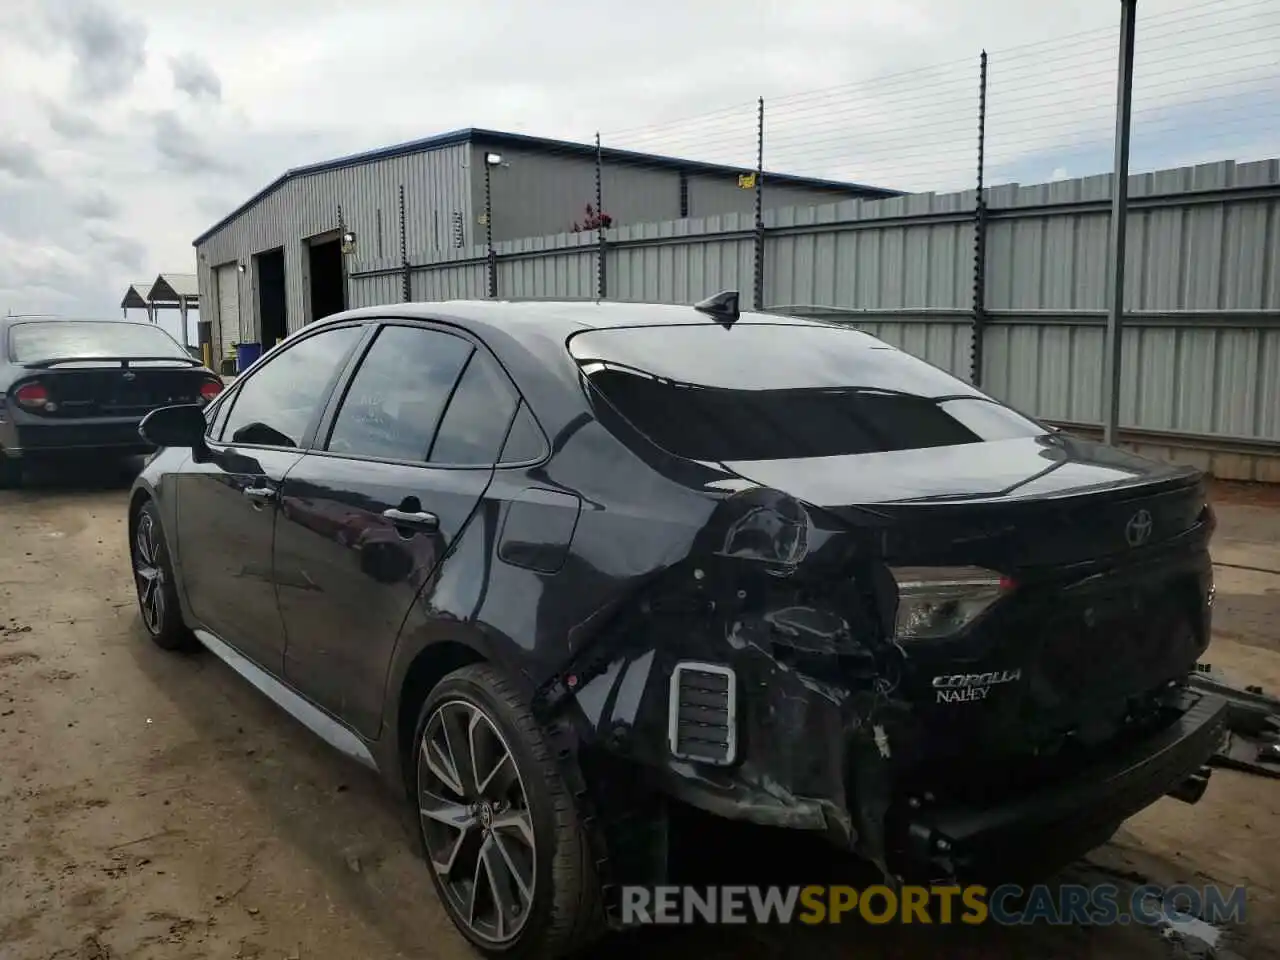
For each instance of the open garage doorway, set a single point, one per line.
(272, 311)
(328, 288)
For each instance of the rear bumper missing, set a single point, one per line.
(818, 757)
(1050, 827)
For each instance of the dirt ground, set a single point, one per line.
(156, 806)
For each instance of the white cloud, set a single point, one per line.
(131, 125)
(193, 75)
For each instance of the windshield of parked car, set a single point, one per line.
(771, 392)
(87, 339)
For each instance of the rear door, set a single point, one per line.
(226, 507)
(404, 457)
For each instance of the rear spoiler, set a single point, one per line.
(124, 362)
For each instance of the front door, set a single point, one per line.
(226, 522)
(227, 505)
(367, 518)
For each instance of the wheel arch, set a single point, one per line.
(139, 496)
(429, 666)
(142, 494)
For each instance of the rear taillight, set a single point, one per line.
(210, 389)
(937, 602)
(31, 395)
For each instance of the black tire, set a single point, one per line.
(10, 472)
(153, 581)
(564, 912)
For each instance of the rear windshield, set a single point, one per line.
(87, 339)
(775, 392)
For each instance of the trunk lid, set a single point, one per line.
(1004, 504)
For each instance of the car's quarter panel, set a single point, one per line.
(632, 524)
(347, 575)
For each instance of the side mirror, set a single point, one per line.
(178, 426)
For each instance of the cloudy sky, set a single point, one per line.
(131, 125)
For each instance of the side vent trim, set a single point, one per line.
(702, 713)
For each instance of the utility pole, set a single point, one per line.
(1119, 213)
(601, 250)
(757, 297)
(979, 331)
(491, 160)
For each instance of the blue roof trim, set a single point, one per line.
(498, 138)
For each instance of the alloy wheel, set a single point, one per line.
(476, 822)
(149, 572)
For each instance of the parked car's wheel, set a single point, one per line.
(153, 576)
(10, 471)
(499, 829)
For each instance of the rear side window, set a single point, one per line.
(476, 422)
(525, 442)
(777, 392)
(278, 403)
(396, 398)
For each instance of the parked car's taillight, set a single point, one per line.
(210, 389)
(937, 602)
(31, 395)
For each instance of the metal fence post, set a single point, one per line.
(759, 272)
(406, 285)
(342, 259)
(602, 289)
(488, 228)
(978, 335)
(1119, 212)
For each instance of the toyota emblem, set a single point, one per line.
(130, 375)
(1138, 530)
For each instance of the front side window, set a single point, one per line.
(280, 400)
(396, 398)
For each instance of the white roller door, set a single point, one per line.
(228, 310)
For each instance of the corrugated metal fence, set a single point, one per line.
(1201, 362)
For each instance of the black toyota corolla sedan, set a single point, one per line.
(555, 569)
(79, 387)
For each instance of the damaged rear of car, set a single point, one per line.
(910, 618)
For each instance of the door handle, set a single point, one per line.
(261, 495)
(417, 519)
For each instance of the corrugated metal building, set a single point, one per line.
(277, 262)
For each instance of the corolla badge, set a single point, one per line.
(968, 687)
(1138, 530)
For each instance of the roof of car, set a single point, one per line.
(560, 318)
(528, 337)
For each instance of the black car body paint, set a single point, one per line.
(590, 558)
